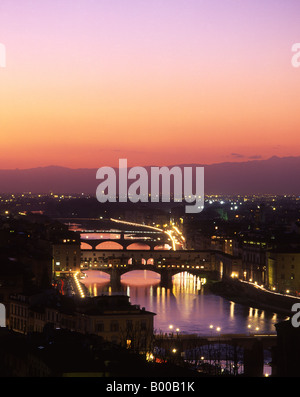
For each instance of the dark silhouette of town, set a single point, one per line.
(54, 328)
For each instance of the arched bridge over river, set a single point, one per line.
(248, 349)
(207, 263)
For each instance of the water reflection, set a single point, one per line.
(187, 305)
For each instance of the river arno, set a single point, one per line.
(188, 305)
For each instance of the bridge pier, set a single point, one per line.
(166, 278)
(115, 279)
(254, 360)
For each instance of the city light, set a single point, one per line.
(78, 285)
(189, 263)
(169, 233)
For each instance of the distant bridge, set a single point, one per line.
(189, 341)
(124, 242)
(125, 239)
(252, 346)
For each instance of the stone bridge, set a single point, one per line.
(207, 264)
(252, 347)
(124, 242)
(166, 272)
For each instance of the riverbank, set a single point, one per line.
(250, 295)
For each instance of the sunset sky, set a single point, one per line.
(155, 81)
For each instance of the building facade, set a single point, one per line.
(284, 271)
(111, 317)
(66, 256)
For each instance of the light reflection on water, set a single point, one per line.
(187, 305)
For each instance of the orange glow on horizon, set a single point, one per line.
(156, 88)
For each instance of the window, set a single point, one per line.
(114, 326)
(143, 325)
(129, 325)
(100, 327)
(143, 342)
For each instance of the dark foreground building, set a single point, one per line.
(63, 353)
(287, 353)
(113, 318)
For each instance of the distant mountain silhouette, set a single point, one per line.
(273, 176)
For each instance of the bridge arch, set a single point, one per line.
(106, 245)
(188, 273)
(134, 261)
(138, 246)
(162, 247)
(85, 246)
(153, 276)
